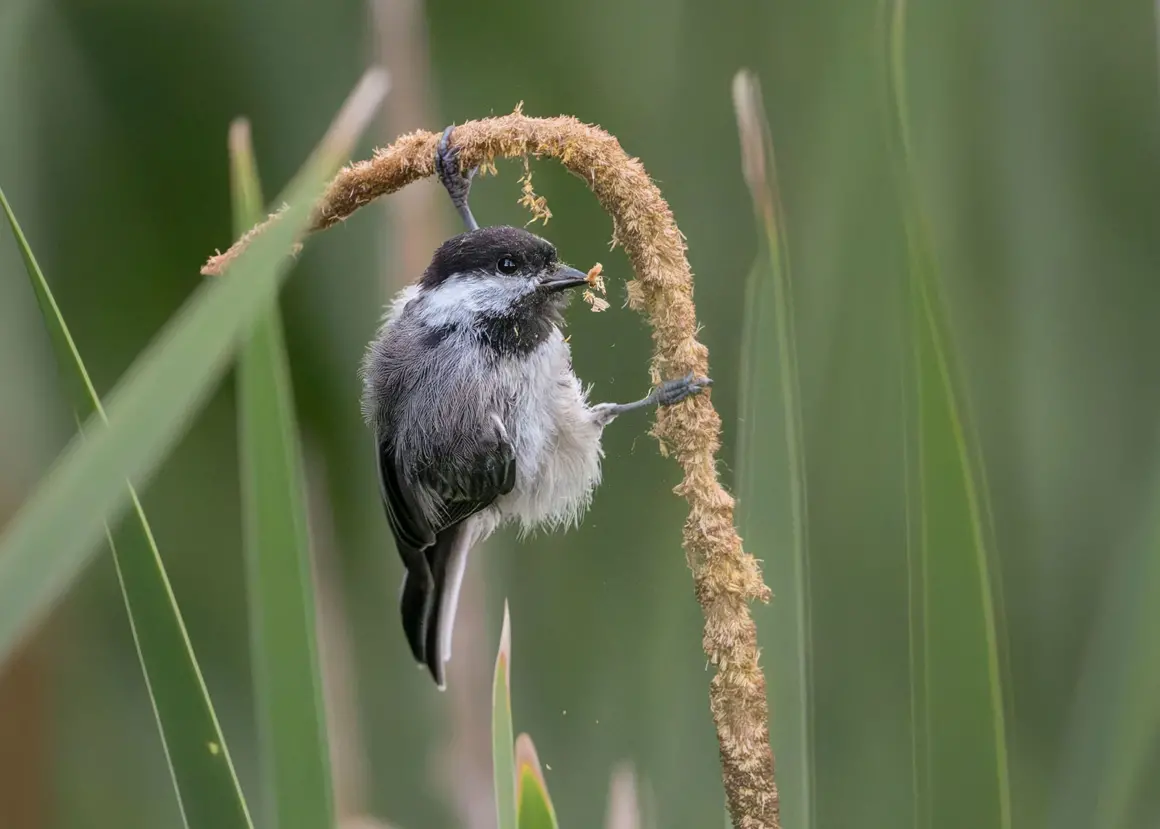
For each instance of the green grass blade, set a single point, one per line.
(502, 737)
(1114, 727)
(534, 804)
(770, 465)
(45, 546)
(1115, 724)
(962, 774)
(199, 761)
(287, 683)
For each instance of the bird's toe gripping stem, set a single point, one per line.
(454, 181)
(671, 392)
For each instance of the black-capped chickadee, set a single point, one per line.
(477, 416)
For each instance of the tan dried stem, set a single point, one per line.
(725, 577)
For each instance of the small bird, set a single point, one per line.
(477, 417)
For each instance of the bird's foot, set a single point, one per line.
(671, 392)
(668, 393)
(454, 181)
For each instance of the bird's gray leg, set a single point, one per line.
(667, 393)
(457, 184)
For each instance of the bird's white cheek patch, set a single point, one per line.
(461, 298)
(451, 299)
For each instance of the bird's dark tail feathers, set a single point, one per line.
(415, 604)
(428, 601)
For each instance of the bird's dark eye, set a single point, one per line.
(507, 265)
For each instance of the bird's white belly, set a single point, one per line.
(556, 441)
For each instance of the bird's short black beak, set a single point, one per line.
(562, 279)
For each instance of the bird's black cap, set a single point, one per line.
(482, 249)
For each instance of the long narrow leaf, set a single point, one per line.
(199, 762)
(770, 465)
(502, 737)
(284, 648)
(1114, 726)
(962, 775)
(533, 803)
(50, 539)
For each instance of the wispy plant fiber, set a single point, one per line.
(726, 578)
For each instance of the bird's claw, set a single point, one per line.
(454, 181)
(671, 392)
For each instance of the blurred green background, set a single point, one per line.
(1037, 138)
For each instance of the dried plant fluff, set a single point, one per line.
(726, 578)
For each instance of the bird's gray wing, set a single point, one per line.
(410, 527)
(466, 486)
(463, 485)
(413, 536)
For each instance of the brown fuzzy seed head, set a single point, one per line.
(726, 578)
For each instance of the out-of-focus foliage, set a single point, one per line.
(770, 467)
(503, 758)
(959, 692)
(1035, 130)
(204, 780)
(289, 715)
(535, 804)
(521, 791)
(52, 537)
